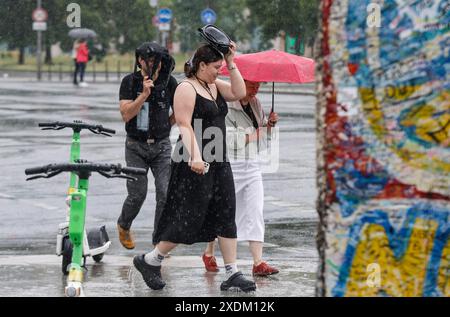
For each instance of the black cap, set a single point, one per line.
(149, 50)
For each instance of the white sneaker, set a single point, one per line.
(83, 84)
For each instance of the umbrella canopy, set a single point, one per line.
(79, 33)
(274, 66)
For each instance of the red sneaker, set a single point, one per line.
(264, 269)
(210, 263)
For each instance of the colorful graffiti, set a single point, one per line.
(384, 148)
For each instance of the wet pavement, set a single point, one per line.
(31, 211)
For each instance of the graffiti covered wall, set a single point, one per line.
(384, 148)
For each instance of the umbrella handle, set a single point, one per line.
(273, 103)
(149, 72)
(273, 97)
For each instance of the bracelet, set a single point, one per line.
(231, 67)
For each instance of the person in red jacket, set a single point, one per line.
(81, 60)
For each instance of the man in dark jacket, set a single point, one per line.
(146, 97)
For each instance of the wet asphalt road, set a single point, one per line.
(31, 211)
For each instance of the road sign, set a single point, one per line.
(39, 15)
(164, 26)
(208, 16)
(165, 15)
(39, 26)
(153, 3)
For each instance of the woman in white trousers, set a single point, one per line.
(247, 130)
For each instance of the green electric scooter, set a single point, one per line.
(96, 241)
(82, 169)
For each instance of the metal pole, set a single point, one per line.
(164, 39)
(39, 47)
(157, 28)
(95, 71)
(106, 71)
(273, 96)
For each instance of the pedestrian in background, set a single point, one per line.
(75, 46)
(82, 58)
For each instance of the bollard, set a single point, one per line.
(60, 71)
(118, 70)
(95, 72)
(106, 71)
(49, 72)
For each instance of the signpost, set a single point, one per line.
(164, 27)
(165, 18)
(165, 15)
(208, 16)
(39, 26)
(40, 17)
(155, 19)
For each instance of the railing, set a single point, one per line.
(61, 72)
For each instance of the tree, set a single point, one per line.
(123, 23)
(131, 23)
(295, 17)
(230, 17)
(56, 26)
(96, 15)
(16, 25)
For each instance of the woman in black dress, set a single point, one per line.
(200, 202)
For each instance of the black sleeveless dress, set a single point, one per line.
(200, 208)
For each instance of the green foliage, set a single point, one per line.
(295, 17)
(127, 23)
(15, 23)
(230, 18)
(131, 23)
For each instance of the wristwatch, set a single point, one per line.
(233, 66)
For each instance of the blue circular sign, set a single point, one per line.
(208, 16)
(165, 15)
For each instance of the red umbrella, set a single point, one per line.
(274, 66)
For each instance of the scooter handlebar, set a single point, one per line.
(111, 131)
(36, 170)
(114, 170)
(134, 171)
(76, 126)
(47, 124)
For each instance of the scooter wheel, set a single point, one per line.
(66, 254)
(71, 292)
(98, 258)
